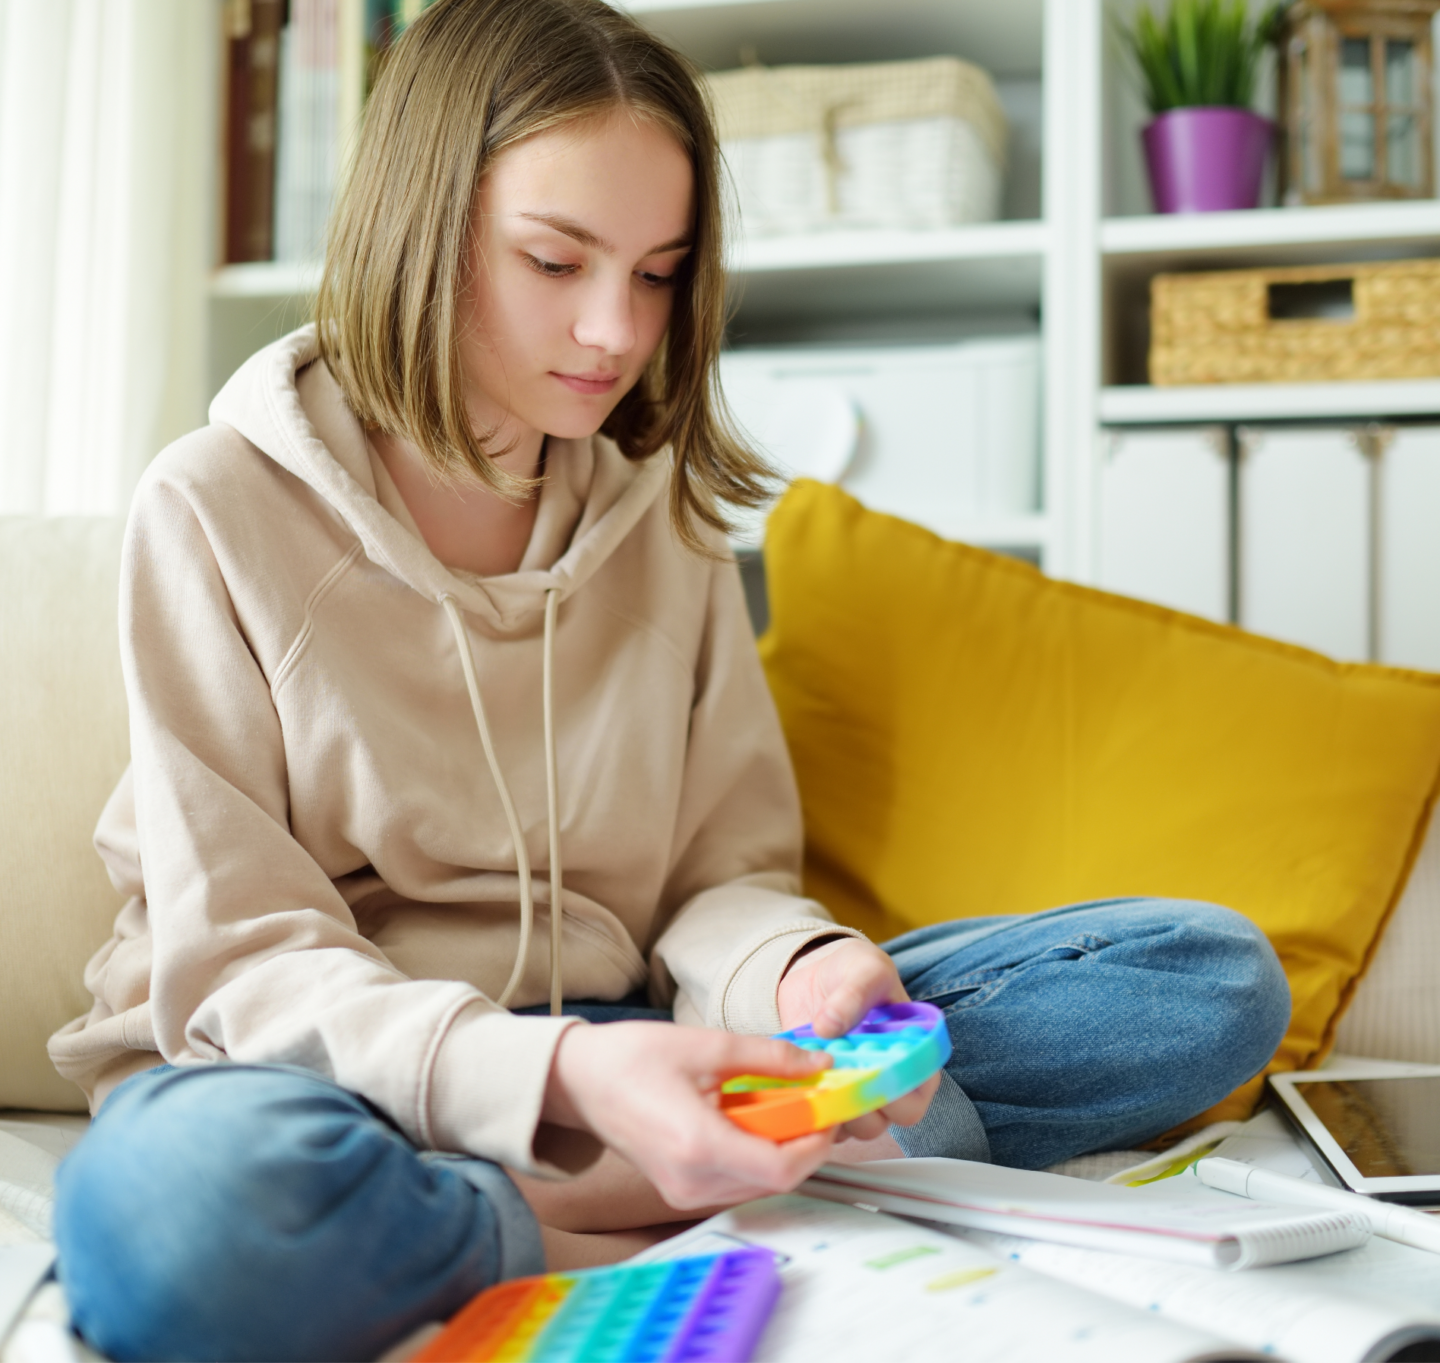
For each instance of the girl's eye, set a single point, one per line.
(549, 268)
(655, 281)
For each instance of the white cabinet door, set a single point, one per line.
(1409, 559)
(1305, 538)
(1164, 506)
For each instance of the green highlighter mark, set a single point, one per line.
(901, 1256)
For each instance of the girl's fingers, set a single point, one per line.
(867, 977)
(869, 1126)
(908, 1110)
(763, 1055)
(737, 1167)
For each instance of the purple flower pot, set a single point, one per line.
(1206, 160)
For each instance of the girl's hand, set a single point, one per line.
(650, 1091)
(832, 987)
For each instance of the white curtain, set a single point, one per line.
(108, 139)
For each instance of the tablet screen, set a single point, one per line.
(1390, 1128)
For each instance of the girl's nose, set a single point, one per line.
(607, 319)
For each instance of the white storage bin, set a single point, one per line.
(1305, 544)
(892, 144)
(943, 435)
(1164, 518)
(1409, 557)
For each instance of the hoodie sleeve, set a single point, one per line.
(736, 914)
(256, 956)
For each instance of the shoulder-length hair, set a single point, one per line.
(469, 79)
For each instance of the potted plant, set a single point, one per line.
(1205, 147)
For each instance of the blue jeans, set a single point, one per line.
(257, 1212)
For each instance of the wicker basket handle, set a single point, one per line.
(1311, 300)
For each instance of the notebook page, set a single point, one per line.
(1267, 1143)
(860, 1286)
(1289, 1319)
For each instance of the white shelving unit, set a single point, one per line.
(1073, 256)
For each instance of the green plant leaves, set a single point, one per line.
(1204, 52)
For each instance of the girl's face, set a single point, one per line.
(578, 234)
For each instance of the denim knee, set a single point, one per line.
(1096, 1025)
(244, 1212)
(1249, 999)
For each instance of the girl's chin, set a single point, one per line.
(566, 423)
(572, 430)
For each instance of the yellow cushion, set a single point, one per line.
(65, 740)
(973, 738)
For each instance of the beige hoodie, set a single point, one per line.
(320, 864)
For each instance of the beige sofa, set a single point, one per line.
(63, 745)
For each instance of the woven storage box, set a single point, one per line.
(1297, 325)
(890, 144)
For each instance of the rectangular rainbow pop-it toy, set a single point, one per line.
(895, 1049)
(705, 1309)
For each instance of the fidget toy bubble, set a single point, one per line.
(895, 1049)
(706, 1309)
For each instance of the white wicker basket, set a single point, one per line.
(892, 144)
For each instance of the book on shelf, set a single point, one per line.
(252, 40)
(307, 151)
(297, 74)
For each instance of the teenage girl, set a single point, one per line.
(449, 740)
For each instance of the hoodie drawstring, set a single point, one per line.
(552, 799)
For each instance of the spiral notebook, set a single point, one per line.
(1219, 1232)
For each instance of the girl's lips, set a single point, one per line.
(582, 383)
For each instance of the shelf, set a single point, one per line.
(1005, 39)
(994, 266)
(1139, 405)
(266, 279)
(1264, 235)
(987, 267)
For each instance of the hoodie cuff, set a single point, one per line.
(746, 1000)
(487, 1087)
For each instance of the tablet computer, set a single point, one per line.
(1378, 1135)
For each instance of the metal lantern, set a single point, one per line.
(1355, 100)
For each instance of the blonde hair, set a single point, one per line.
(468, 80)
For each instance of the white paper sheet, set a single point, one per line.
(860, 1286)
(1297, 1318)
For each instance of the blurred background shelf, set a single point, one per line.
(1142, 405)
(987, 268)
(1267, 235)
(1070, 260)
(1003, 38)
(265, 279)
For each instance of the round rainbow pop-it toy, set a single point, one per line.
(895, 1049)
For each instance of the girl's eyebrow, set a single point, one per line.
(572, 229)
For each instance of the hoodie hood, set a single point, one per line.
(285, 401)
